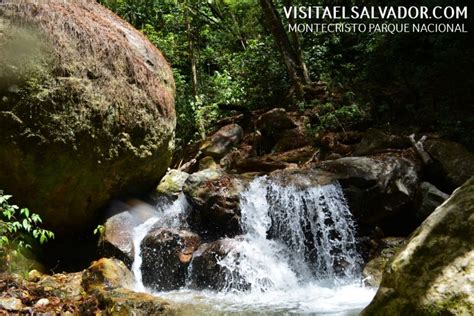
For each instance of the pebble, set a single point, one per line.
(42, 302)
(10, 303)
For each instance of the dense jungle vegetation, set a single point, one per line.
(226, 57)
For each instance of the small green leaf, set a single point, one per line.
(25, 211)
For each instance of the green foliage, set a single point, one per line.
(19, 228)
(99, 230)
(419, 80)
(237, 62)
(339, 118)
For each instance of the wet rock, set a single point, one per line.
(214, 196)
(205, 271)
(375, 140)
(117, 238)
(10, 304)
(123, 302)
(110, 281)
(107, 274)
(454, 161)
(301, 178)
(166, 254)
(373, 269)
(107, 119)
(172, 183)
(381, 191)
(222, 141)
(433, 273)
(431, 198)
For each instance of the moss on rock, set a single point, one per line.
(86, 109)
(433, 273)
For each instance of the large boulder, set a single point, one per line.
(381, 191)
(86, 109)
(221, 142)
(214, 196)
(166, 254)
(433, 274)
(454, 161)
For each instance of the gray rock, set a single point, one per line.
(433, 274)
(275, 122)
(378, 189)
(221, 142)
(431, 198)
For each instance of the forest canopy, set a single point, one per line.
(237, 55)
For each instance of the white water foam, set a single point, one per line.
(168, 216)
(297, 256)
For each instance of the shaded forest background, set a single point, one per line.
(226, 58)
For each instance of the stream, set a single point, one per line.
(297, 255)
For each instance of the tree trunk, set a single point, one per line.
(194, 77)
(288, 53)
(192, 57)
(297, 46)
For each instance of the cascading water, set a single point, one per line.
(168, 216)
(292, 236)
(297, 255)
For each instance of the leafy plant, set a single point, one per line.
(332, 118)
(18, 228)
(99, 230)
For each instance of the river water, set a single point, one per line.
(297, 255)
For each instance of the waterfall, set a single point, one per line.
(293, 236)
(297, 254)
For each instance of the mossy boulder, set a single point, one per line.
(433, 273)
(86, 109)
(111, 282)
(172, 183)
